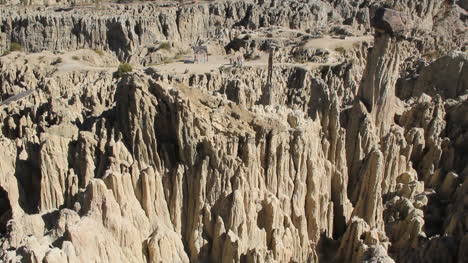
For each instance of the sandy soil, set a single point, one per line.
(85, 59)
(331, 43)
(214, 62)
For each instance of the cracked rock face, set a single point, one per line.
(358, 159)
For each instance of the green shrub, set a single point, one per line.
(15, 47)
(124, 68)
(76, 58)
(165, 46)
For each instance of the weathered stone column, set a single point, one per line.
(378, 84)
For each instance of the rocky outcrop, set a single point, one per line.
(138, 29)
(132, 28)
(447, 77)
(390, 21)
(157, 180)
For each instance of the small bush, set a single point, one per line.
(57, 61)
(75, 58)
(180, 54)
(99, 52)
(124, 68)
(15, 47)
(167, 60)
(165, 46)
(340, 50)
(254, 57)
(6, 53)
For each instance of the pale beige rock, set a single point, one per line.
(215, 166)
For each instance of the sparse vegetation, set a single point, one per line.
(6, 53)
(340, 50)
(124, 68)
(15, 47)
(432, 55)
(76, 58)
(57, 61)
(99, 52)
(180, 54)
(254, 57)
(167, 60)
(165, 46)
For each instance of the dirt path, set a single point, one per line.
(328, 42)
(185, 64)
(86, 60)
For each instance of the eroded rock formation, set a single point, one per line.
(363, 160)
